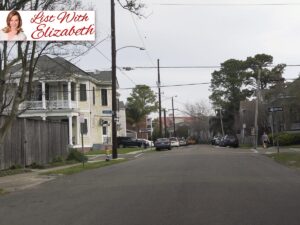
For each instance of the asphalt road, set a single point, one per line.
(199, 185)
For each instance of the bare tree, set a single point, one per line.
(200, 113)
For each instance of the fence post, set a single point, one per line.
(24, 143)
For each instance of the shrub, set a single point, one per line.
(15, 167)
(75, 155)
(36, 166)
(57, 159)
(287, 138)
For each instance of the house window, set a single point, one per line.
(84, 127)
(47, 92)
(72, 91)
(65, 92)
(82, 90)
(94, 96)
(38, 95)
(104, 130)
(104, 97)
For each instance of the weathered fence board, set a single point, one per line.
(33, 141)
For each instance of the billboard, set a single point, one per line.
(47, 25)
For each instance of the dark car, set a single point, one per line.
(229, 140)
(216, 140)
(124, 142)
(162, 143)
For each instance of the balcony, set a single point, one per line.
(52, 104)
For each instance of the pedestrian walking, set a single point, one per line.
(265, 140)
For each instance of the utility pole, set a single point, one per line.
(256, 107)
(165, 123)
(174, 125)
(221, 118)
(159, 99)
(114, 81)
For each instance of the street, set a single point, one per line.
(201, 185)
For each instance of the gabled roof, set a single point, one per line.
(59, 68)
(101, 75)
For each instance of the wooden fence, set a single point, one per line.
(33, 141)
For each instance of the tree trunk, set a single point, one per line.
(2, 156)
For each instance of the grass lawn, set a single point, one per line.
(80, 168)
(291, 159)
(13, 172)
(120, 151)
(2, 192)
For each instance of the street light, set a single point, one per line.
(131, 46)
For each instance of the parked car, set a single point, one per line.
(216, 140)
(146, 143)
(162, 143)
(229, 140)
(182, 142)
(174, 141)
(124, 142)
(190, 141)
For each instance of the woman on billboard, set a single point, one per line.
(13, 31)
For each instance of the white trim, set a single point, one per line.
(69, 95)
(44, 95)
(70, 130)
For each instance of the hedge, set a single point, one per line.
(287, 138)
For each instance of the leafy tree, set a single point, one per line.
(142, 102)
(269, 77)
(227, 89)
(237, 81)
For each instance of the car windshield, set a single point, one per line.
(162, 139)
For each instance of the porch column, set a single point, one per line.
(43, 95)
(70, 131)
(69, 95)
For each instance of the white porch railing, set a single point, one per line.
(31, 105)
(52, 104)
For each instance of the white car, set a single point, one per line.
(147, 142)
(174, 141)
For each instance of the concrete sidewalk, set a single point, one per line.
(27, 180)
(274, 149)
(23, 181)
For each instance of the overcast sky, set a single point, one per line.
(201, 33)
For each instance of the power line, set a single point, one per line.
(189, 84)
(228, 4)
(194, 67)
(93, 46)
(173, 85)
(120, 69)
(143, 43)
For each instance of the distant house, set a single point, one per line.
(64, 92)
(122, 119)
(287, 118)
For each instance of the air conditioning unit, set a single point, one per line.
(103, 123)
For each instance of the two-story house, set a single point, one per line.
(65, 93)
